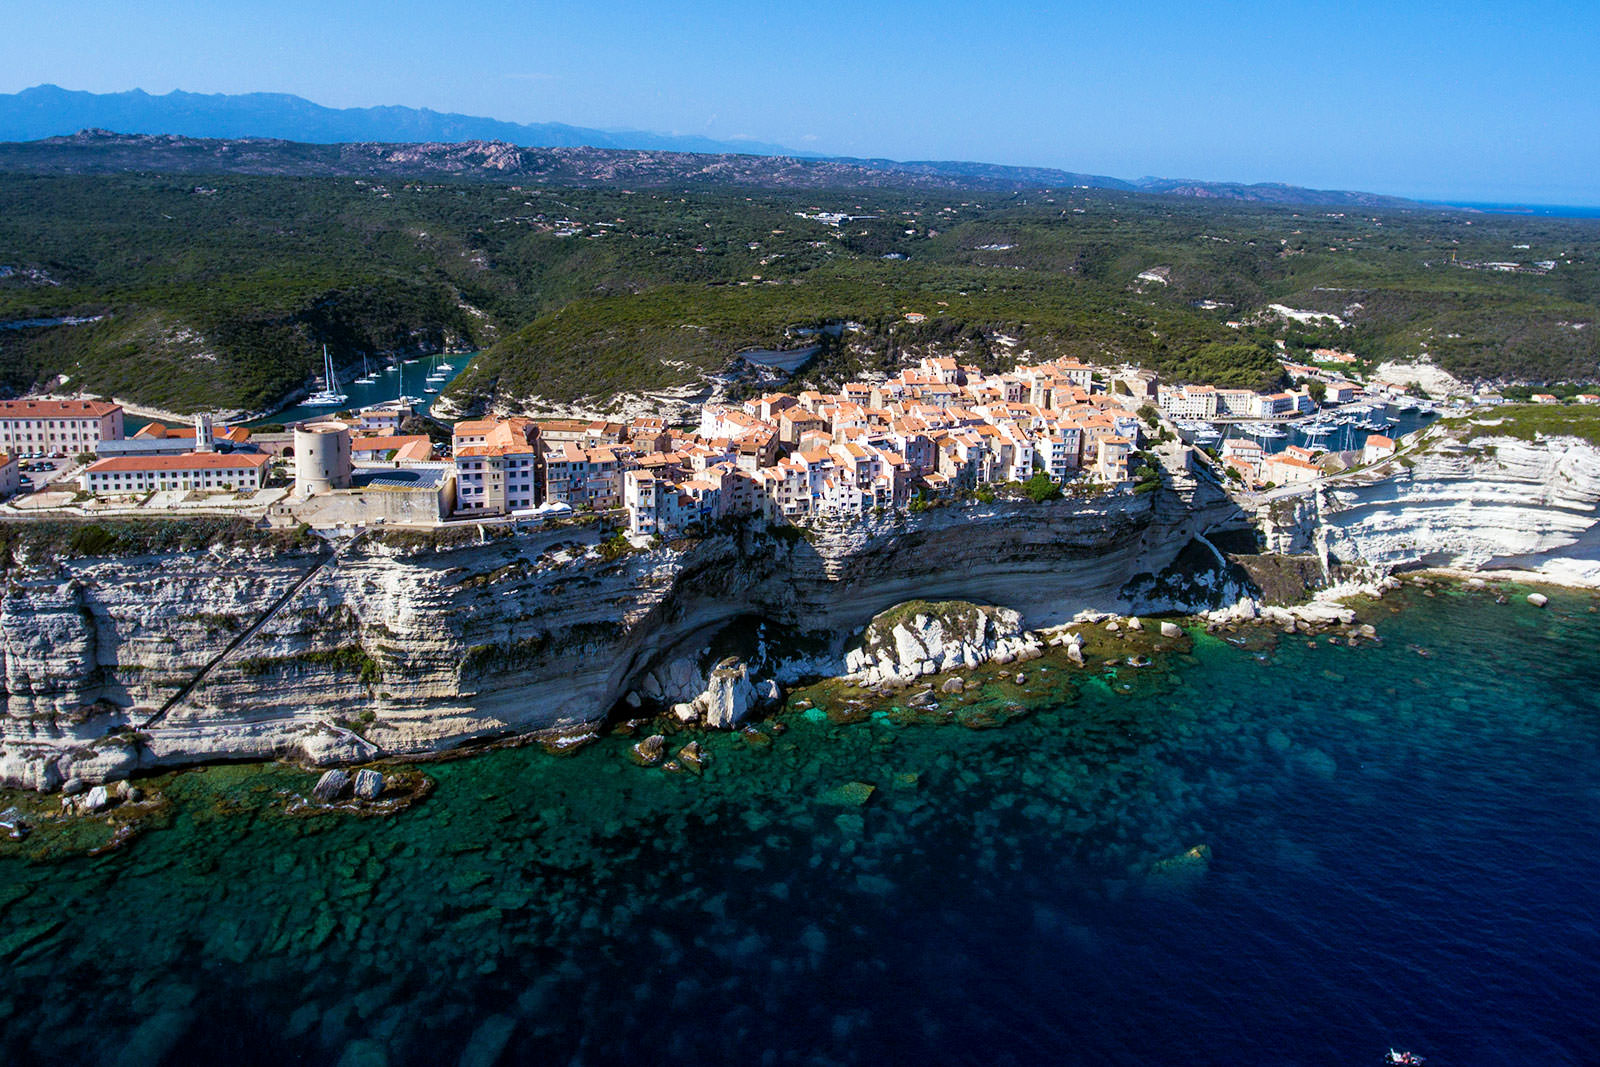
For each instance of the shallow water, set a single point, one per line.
(1400, 849)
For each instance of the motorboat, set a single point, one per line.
(1408, 1059)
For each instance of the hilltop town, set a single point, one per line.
(936, 431)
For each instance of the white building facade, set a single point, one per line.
(41, 427)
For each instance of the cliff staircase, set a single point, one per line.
(250, 631)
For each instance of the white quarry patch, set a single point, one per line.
(1433, 380)
(1305, 317)
(1159, 275)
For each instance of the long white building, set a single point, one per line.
(238, 471)
(40, 427)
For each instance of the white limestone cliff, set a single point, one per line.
(1467, 500)
(402, 649)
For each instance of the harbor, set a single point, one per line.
(417, 381)
(1342, 429)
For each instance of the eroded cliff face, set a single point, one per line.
(1464, 501)
(404, 651)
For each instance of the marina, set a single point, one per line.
(1341, 429)
(403, 380)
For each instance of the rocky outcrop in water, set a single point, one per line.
(921, 638)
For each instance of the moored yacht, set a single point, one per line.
(328, 396)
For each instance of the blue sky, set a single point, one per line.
(1463, 101)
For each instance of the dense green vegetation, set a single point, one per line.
(1528, 422)
(219, 292)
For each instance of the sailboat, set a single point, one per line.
(367, 377)
(329, 396)
(435, 374)
(446, 367)
(402, 396)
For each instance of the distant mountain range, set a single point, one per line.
(51, 111)
(61, 130)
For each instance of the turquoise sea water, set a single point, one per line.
(1400, 847)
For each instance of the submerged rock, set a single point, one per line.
(1178, 873)
(96, 800)
(849, 795)
(1171, 629)
(953, 685)
(1538, 600)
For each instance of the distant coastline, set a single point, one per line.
(1559, 211)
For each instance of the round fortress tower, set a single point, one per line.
(321, 458)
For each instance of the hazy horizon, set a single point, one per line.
(1471, 103)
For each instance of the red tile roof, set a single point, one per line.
(55, 409)
(185, 462)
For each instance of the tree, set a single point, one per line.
(1149, 414)
(1041, 488)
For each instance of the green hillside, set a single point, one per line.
(218, 292)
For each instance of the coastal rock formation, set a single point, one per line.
(1469, 500)
(407, 645)
(917, 638)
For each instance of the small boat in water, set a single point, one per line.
(1408, 1059)
(328, 396)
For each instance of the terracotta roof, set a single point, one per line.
(385, 444)
(187, 461)
(55, 409)
(470, 451)
(236, 434)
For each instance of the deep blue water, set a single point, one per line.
(1400, 847)
(1549, 210)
